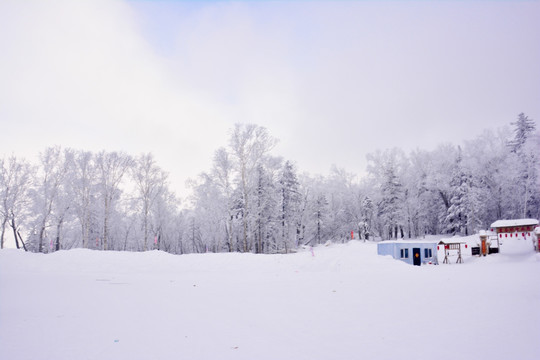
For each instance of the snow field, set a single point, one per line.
(345, 302)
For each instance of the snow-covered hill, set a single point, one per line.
(335, 302)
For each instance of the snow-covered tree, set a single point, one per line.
(366, 216)
(456, 218)
(82, 180)
(209, 212)
(416, 194)
(265, 208)
(527, 162)
(249, 143)
(466, 206)
(523, 128)
(387, 168)
(111, 168)
(252, 201)
(344, 203)
(167, 218)
(47, 195)
(150, 184)
(222, 173)
(290, 207)
(15, 182)
(320, 212)
(524, 148)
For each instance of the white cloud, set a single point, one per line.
(333, 81)
(80, 74)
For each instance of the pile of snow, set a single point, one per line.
(335, 302)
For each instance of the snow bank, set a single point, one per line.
(337, 302)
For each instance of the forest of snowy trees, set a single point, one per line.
(252, 201)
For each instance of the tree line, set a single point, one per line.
(252, 201)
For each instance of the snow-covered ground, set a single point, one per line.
(337, 302)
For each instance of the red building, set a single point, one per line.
(521, 229)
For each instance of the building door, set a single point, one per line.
(416, 256)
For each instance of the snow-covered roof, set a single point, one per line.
(516, 222)
(452, 241)
(420, 241)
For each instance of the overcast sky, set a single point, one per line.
(332, 81)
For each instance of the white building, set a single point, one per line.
(414, 252)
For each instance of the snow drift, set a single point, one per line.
(337, 302)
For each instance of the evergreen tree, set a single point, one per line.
(465, 205)
(527, 163)
(523, 128)
(390, 206)
(290, 205)
(320, 206)
(267, 209)
(367, 218)
(387, 169)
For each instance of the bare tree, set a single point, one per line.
(150, 182)
(111, 167)
(52, 172)
(81, 181)
(15, 181)
(166, 211)
(222, 174)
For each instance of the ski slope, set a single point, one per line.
(335, 302)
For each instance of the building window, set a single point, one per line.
(404, 253)
(427, 253)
